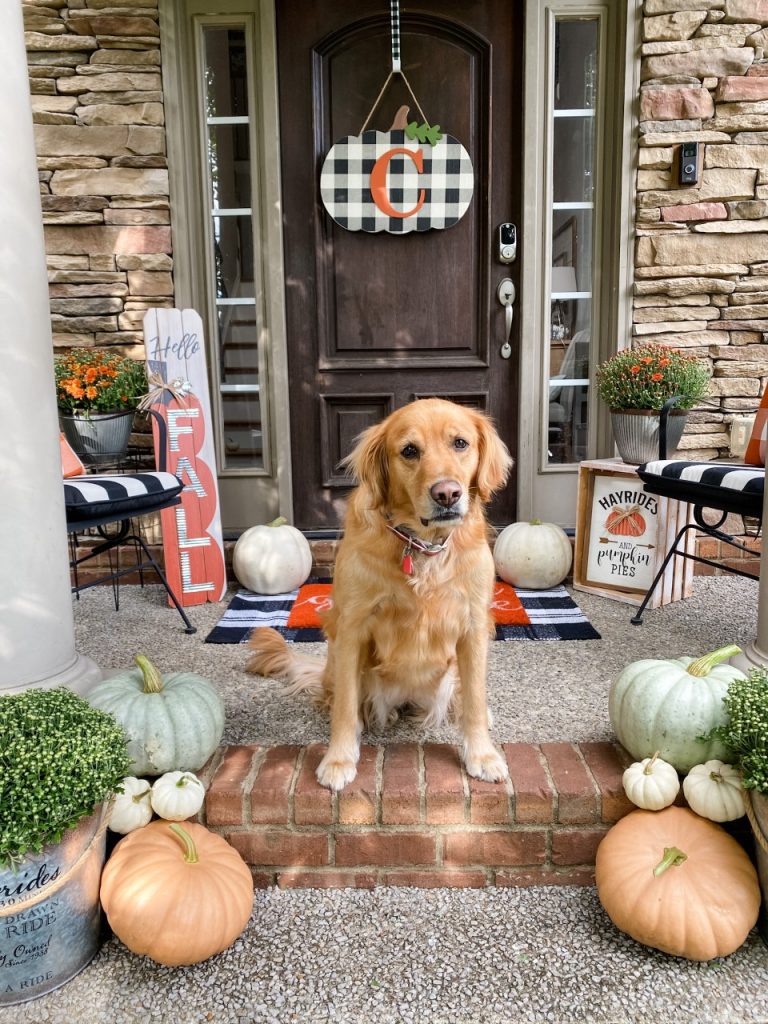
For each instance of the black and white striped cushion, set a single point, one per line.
(87, 496)
(722, 485)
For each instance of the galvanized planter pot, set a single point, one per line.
(99, 438)
(50, 913)
(759, 822)
(636, 432)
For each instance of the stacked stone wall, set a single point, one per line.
(701, 267)
(97, 101)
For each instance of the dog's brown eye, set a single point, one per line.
(410, 452)
(460, 444)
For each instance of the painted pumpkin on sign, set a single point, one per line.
(626, 522)
(386, 181)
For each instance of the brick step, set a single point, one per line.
(413, 816)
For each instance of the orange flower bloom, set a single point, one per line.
(657, 376)
(91, 391)
(634, 369)
(646, 360)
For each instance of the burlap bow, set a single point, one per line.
(178, 388)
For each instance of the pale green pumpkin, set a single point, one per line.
(174, 722)
(671, 706)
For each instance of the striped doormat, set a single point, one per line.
(520, 614)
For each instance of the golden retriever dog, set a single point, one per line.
(412, 589)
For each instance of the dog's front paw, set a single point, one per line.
(487, 764)
(335, 772)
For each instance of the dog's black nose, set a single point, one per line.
(446, 492)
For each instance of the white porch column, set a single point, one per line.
(37, 646)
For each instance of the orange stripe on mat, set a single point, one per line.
(314, 598)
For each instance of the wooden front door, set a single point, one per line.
(376, 320)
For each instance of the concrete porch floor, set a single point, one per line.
(533, 954)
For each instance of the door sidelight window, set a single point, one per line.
(232, 274)
(574, 109)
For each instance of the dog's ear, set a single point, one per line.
(495, 460)
(368, 463)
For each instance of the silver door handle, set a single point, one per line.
(506, 296)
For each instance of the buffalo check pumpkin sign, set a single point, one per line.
(387, 181)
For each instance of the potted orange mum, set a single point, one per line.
(97, 392)
(636, 383)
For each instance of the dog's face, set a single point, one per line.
(429, 461)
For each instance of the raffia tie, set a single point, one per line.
(178, 388)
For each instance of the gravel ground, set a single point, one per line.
(406, 955)
(535, 955)
(539, 691)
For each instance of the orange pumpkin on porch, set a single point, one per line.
(678, 883)
(176, 893)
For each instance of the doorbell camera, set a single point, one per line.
(507, 243)
(689, 163)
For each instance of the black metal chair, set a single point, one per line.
(727, 488)
(99, 501)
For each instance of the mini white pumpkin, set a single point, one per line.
(651, 783)
(714, 791)
(176, 796)
(272, 559)
(533, 555)
(132, 808)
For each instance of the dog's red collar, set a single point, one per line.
(414, 542)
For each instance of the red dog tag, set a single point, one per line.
(408, 564)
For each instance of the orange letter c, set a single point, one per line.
(379, 182)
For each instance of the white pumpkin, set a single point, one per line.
(176, 796)
(651, 783)
(714, 791)
(132, 808)
(272, 559)
(533, 555)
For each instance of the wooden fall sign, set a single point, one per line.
(193, 545)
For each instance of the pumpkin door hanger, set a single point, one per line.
(385, 181)
(410, 178)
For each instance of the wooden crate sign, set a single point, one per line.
(193, 544)
(623, 535)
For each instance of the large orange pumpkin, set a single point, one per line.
(176, 893)
(677, 882)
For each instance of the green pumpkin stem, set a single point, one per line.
(280, 521)
(534, 522)
(673, 857)
(190, 850)
(704, 665)
(153, 680)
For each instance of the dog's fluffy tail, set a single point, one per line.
(273, 657)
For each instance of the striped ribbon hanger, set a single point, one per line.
(394, 20)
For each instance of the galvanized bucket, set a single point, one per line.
(50, 912)
(100, 438)
(636, 432)
(757, 812)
